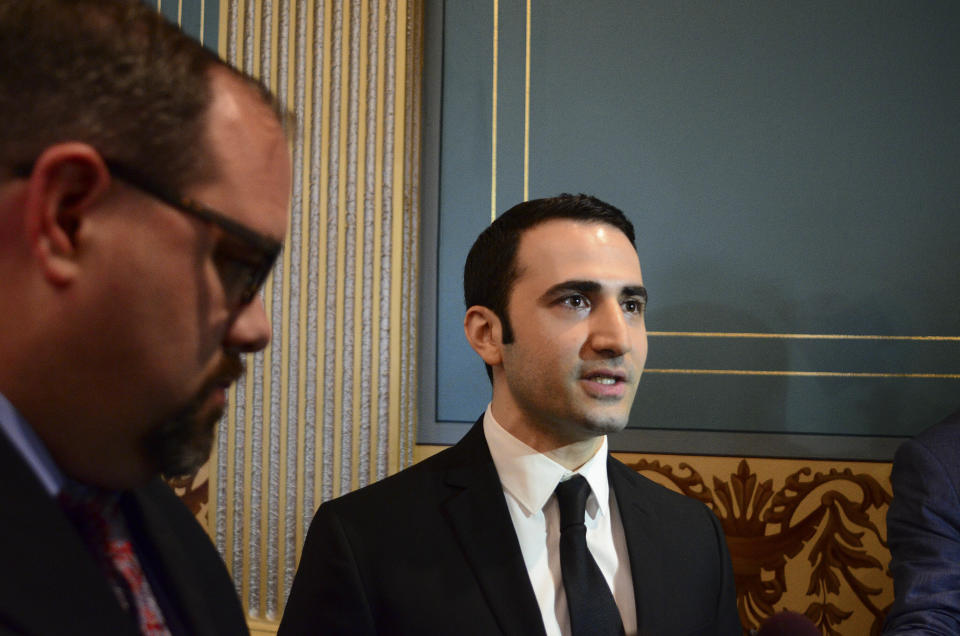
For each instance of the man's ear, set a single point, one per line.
(67, 180)
(484, 332)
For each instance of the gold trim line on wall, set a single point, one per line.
(797, 336)
(526, 111)
(494, 98)
(493, 119)
(807, 374)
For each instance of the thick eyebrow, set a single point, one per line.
(582, 286)
(635, 290)
(591, 286)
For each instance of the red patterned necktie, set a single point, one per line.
(97, 516)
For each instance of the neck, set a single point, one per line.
(573, 456)
(545, 439)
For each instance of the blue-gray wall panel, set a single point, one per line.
(791, 168)
(191, 15)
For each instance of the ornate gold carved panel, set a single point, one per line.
(194, 491)
(808, 536)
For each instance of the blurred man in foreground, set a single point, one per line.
(144, 193)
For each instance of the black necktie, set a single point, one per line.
(592, 608)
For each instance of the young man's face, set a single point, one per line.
(580, 342)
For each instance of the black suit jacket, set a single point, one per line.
(432, 550)
(50, 584)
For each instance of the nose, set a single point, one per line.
(610, 333)
(250, 330)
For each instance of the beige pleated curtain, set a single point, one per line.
(329, 406)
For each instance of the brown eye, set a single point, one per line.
(633, 306)
(576, 301)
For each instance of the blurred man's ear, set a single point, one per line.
(484, 332)
(67, 180)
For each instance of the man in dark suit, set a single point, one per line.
(486, 537)
(923, 532)
(144, 188)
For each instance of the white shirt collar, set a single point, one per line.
(531, 477)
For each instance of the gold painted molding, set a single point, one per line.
(804, 535)
(259, 627)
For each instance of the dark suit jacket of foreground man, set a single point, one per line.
(923, 532)
(52, 585)
(432, 550)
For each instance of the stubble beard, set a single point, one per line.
(571, 420)
(595, 424)
(179, 445)
(592, 419)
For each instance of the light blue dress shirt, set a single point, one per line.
(34, 453)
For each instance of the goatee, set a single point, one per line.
(180, 444)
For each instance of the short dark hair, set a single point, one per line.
(491, 266)
(111, 73)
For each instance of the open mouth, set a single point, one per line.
(606, 378)
(605, 384)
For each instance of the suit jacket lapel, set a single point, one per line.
(174, 566)
(480, 519)
(639, 527)
(50, 582)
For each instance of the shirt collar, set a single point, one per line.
(31, 448)
(531, 477)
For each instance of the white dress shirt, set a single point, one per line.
(529, 479)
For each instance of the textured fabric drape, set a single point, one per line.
(328, 407)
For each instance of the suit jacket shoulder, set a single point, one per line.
(430, 550)
(51, 584)
(923, 532)
(942, 442)
(682, 574)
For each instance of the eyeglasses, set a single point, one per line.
(243, 263)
